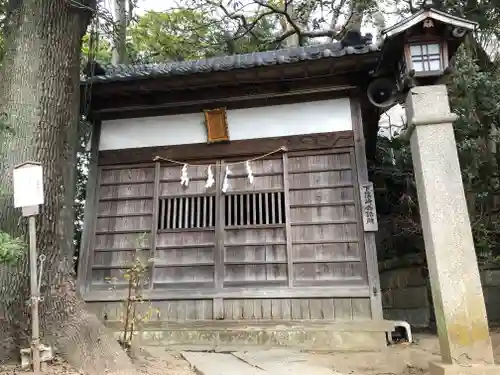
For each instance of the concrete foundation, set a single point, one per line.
(230, 336)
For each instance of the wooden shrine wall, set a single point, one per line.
(288, 246)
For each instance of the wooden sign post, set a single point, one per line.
(28, 195)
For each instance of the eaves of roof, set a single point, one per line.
(116, 73)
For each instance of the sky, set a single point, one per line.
(157, 5)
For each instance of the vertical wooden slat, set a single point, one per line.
(90, 212)
(273, 209)
(288, 226)
(175, 213)
(210, 208)
(192, 211)
(229, 210)
(198, 214)
(369, 237)
(260, 209)
(209, 212)
(266, 210)
(247, 199)
(180, 212)
(254, 206)
(343, 309)
(167, 211)
(162, 220)
(241, 208)
(186, 212)
(218, 308)
(154, 226)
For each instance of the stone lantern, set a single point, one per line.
(415, 55)
(419, 48)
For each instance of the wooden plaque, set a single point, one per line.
(370, 222)
(216, 123)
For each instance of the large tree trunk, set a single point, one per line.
(40, 95)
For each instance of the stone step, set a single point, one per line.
(275, 362)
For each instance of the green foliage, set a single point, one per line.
(396, 198)
(475, 97)
(178, 34)
(11, 249)
(101, 52)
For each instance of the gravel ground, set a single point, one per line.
(168, 363)
(401, 359)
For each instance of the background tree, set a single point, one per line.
(39, 97)
(296, 22)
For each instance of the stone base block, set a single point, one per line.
(437, 368)
(235, 335)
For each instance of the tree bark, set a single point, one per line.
(39, 93)
(120, 32)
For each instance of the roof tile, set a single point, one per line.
(233, 62)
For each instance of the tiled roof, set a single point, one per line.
(226, 63)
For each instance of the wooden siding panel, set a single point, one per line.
(173, 173)
(175, 188)
(251, 253)
(256, 235)
(184, 256)
(185, 310)
(323, 213)
(123, 224)
(321, 179)
(113, 279)
(324, 221)
(125, 207)
(125, 176)
(271, 166)
(126, 191)
(276, 253)
(328, 271)
(321, 196)
(119, 258)
(122, 241)
(324, 232)
(333, 252)
(174, 276)
(342, 309)
(338, 161)
(255, 273)
(185, 239)
(297, 308)
(237, 184)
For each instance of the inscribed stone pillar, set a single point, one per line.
(456, 287)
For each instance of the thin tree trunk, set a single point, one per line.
(39, 92)
(120, 32)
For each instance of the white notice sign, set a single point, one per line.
(28, 185)
(370, 222)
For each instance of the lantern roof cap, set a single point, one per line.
(424, 14)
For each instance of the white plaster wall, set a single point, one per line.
(283, 120)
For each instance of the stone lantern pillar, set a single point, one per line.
(414, 56)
